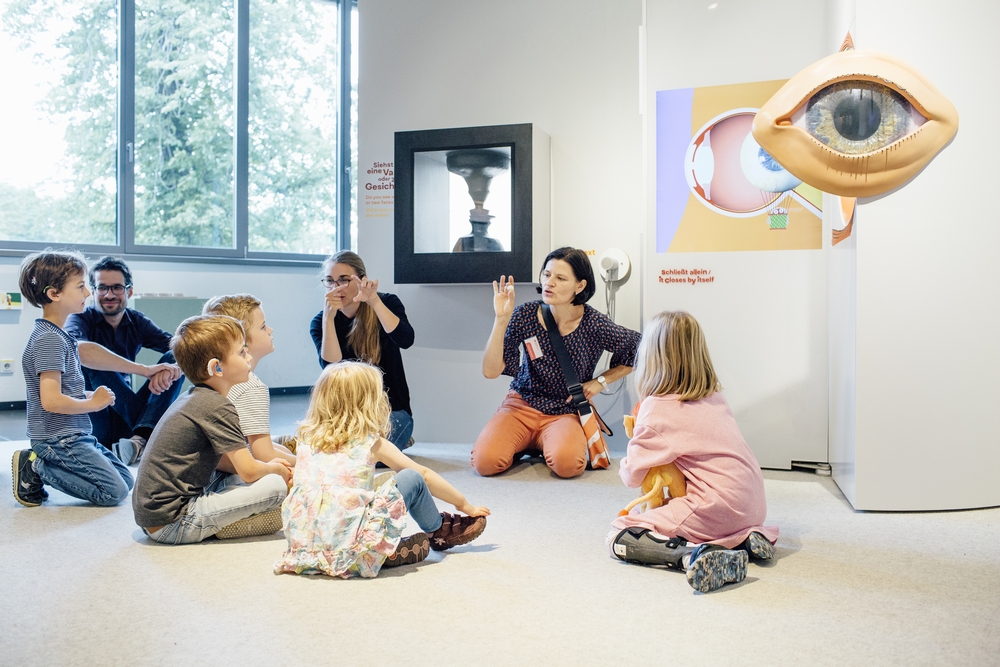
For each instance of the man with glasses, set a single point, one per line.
(109, 336)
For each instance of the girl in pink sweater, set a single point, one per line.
(683, 419)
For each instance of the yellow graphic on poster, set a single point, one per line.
(717, 190)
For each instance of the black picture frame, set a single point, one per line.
(464, 267)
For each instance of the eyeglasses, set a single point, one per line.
(339, 282)
(114, 289)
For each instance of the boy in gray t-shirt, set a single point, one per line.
(179, 498)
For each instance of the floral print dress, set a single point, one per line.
(335, 521)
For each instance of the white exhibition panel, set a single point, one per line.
(765, 312)
(915, 292)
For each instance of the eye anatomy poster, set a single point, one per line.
(717, 190)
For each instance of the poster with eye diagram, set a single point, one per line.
(716, 189)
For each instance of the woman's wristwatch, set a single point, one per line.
(604, 383)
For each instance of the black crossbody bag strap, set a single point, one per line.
(580, 401)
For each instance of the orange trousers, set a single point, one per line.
(517, 426)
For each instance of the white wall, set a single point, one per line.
(765, 317)
(290, 298)
(571, 67)
(928, 282)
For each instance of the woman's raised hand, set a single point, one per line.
(503, 296)
(367, 289)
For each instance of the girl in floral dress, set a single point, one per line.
(335, 520)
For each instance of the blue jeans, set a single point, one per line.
(400, 428)
(226, 500)
(132, 410)
(81, 467)
(418, 499)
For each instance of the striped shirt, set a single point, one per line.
(50, 348)
(253, 403)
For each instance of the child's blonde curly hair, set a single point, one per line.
(348, 402)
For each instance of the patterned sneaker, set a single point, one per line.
(758, 547)
(410, 550)
(457, 529)
(713, 567)
(264, 523)
(28, 488)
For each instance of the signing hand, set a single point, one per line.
(334, 301)
(503, 296)
(367, 289)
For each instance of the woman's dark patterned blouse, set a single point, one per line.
(538, 378)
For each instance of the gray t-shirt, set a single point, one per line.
(183, 452)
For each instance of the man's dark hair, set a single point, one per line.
(582, 270)
(110, 264)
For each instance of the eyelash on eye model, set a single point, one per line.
(858, 117)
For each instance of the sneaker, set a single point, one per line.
(757, 546)
(129, 450)
(712, 567)
(28, 487)
(410, 550)
(456, 529)
(264, 523)
(641, 545)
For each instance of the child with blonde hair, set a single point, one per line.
(684, 419)
(251, 398)
(64, 453)
(336, 522)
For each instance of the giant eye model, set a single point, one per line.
(856, 124)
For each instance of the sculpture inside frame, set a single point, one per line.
(465, 206)
(445, 184)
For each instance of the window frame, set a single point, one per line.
(125, 196)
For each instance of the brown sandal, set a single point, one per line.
(410, 550)
(456, 529)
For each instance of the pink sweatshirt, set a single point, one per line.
(725, 490)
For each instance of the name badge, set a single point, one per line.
(533, 349)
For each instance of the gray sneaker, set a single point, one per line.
(129, 450)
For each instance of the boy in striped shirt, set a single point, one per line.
(251, 398)
(64, 454)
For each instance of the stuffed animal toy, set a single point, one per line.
(667, 477)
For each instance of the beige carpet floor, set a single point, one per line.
(82, 586)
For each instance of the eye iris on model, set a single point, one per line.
(767, 161)
(858, 117)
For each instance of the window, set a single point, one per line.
(58, 136)
(221, 128)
